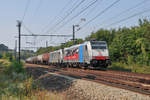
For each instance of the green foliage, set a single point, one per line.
(15, 85)
(10, 65)
(17, 67)
(131, 42)
(14, 67)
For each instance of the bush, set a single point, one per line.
(14, 67)
(17, 67)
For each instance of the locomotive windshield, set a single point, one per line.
(99, 45)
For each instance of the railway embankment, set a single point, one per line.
(75, 88)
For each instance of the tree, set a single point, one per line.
(3, 47)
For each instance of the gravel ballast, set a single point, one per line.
(87, 90)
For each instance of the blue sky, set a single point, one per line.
(42, 15)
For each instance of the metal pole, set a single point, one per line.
(73, 36)
(46, 44)
(15, 49)
(19, 31)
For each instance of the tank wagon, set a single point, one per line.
(45, 58)
(39, 59)
(34, 60)
(29, 60)
(90, 53)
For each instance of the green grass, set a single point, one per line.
(15, 84)
(130, 68)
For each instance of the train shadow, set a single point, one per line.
(48, 81)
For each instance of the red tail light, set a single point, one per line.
(100, 57)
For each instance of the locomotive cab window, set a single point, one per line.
(98, 43)
(99, 47)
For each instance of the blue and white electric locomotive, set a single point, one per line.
(90, 53)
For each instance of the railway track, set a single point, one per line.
(119, 75)
(139, 83)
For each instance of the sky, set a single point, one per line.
(58, 16)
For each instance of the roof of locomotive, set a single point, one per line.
(74, 46)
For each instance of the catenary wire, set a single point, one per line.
(57, 15)
(65, 17)
(68, 14)
(60, 12)
(27, 29)
(99, 14)
(38, 7)
(125, 11)
(127, 18)
(69, 20)
(25, 11)
(87, 14)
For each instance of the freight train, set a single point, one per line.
(88, 54)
